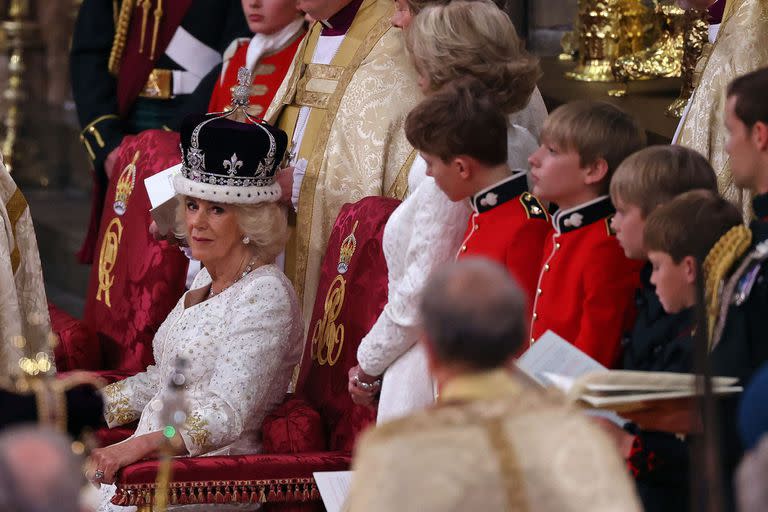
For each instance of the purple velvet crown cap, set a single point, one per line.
(229, 161)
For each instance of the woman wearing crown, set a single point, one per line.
(146, 277)
(239, 326)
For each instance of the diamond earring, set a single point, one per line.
(246, 240)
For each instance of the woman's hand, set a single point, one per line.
(285, 180)
(367, 393)
(104, 463)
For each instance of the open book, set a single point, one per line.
(553, 362)
(623, 390)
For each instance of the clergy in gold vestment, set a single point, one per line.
(492, 443)
(24, 322)
(343, 104)
(741, 46)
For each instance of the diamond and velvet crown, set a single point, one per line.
(228, 160)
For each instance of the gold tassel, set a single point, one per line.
(721, 257)
(121, 34)
(156, 29)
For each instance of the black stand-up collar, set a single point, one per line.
(499, 193)
(582, 215)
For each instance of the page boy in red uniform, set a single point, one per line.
(586, 284)
(462, 135)
(278, 29)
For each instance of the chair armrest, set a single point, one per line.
(255, 478)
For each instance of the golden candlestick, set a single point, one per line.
(19, 152)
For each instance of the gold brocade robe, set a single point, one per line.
(741, 46)
(490, 444)
(25, 326)
(354, 140)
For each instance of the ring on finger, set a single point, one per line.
(98, 475)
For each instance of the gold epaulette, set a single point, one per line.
(533, 207)
(91, 131)
(122, 25)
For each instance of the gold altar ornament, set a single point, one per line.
(695, 38)
(664, 57)
(622, 40)
(607, 29)
(19, 34)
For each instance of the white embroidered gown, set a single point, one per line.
(241, 346)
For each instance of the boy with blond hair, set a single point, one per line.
(644, 181)
(462, 135)
(659, 341)
(585, 283)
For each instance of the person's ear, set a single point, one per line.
(759, 135)
(690, 269)
(463, 166)
(596, 171)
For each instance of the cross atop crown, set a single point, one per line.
(241, 93)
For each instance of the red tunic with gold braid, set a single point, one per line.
(586, 285)
(510, 226)
(267, 75)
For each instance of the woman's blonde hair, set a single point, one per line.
(473, 38)
(266, 224)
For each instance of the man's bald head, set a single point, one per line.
(473, 314)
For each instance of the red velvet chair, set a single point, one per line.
(135, 280)
(315, 429)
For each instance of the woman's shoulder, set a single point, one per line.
(268, 282)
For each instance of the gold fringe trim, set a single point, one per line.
(731, 246)
(121, 35)
(283, 490)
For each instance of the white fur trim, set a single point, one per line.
(226, 194)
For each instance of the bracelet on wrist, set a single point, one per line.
(369, 387)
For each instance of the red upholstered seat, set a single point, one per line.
(314, 430)
(135, 280)
(78, 347)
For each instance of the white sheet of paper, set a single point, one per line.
(160, 186)
(334, 488)
(551, 354)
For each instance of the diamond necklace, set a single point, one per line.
(248, 269)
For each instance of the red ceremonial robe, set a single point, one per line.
(586, 285)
